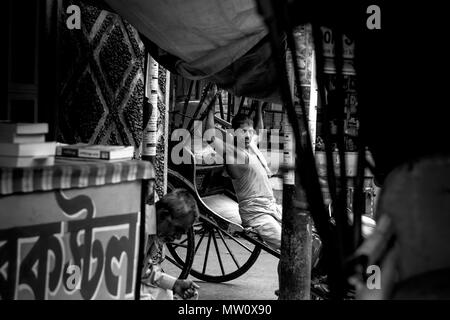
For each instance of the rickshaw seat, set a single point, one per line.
(225, 206)
(208, 184)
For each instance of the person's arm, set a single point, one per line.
(159, 278)
(223, 144)
(185, 288)
(154, 275)
(258, 120)
(210, 122)
(258, 123)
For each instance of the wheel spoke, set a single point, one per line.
(200, 241)
(174, 262)
(218, 254)
(179, 245)
(206, 253)
(187, 238)
(226, 246)
(237, 241)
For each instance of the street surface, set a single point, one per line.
(258, 283)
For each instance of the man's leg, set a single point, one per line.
(269, 229)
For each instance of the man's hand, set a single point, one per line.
(186, 289)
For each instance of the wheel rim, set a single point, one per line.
(219, 256)
(182, 250)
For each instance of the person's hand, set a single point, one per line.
(186, 289)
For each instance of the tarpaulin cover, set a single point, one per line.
(207, 35)
(209, 39)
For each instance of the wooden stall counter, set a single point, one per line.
(72, 230)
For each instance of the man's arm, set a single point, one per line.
(160, 279)
(185, 288)
(223, 143)
(153, 275)
(210, 122)
(258, 120)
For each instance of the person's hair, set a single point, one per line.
(239, 120)
(179, 203)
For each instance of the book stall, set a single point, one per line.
(70, 227)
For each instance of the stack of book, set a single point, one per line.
(24, 145)
(93, 152)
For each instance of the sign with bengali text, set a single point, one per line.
(70, 244)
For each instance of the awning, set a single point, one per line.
(223, 41)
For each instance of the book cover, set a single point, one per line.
(95, 151)
(22, 138)
(28, 149)
(12, 161)
(61, 159)
(23, 128)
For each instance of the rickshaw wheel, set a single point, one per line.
(182, 250)
(222, 257)
(225, 256)
(182, 253)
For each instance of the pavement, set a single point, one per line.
(258, 283)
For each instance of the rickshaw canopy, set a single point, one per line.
(222, 41)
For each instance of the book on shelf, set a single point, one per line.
(13, 161)
(41, 149)
(92, 151)
(60, 159)
(22, 138)
(9, 128)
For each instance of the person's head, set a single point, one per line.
(243, 127)
(175, 214)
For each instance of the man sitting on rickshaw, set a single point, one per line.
(249, 172)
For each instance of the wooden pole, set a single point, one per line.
(295, 262)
